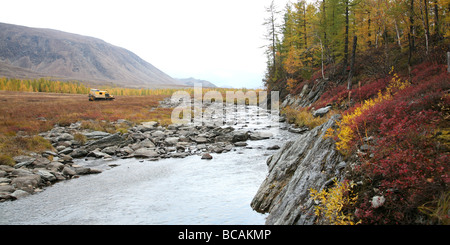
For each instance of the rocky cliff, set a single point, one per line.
(308, 162)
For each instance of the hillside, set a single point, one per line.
(374, 109)
(32, 53)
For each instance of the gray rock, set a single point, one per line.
(7, 188)
(98, 154)
(66, 151)
(171, 140)
(239, 136)
(19, 194)
(305, 163)
(111, 150)
(23, 161)
(55, 166)
(147, 126)
(49, 153)
(46, 175)
(68, 171)
(112, 140)
(260, 135)
(41, 162)
(4, 180)
(77, 153)
(200, 140)
(27, 183)
(145, 153)
(207, 156)
(96, 135)
(240, 144)
(158, 134)
(322, 111)
(275, 147)
(82, 170)
(297, 130)
(21, 172)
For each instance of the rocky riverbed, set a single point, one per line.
(147, 141)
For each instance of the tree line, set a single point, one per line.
(322, 37)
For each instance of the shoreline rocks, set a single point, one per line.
(306, 163)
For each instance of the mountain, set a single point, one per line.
(191, 81)
(34, 52)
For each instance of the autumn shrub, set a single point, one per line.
(335, 202)
(406, 163)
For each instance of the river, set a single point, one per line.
(187, 191)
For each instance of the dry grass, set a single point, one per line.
(32, 113)
(24, 114)
(304, 118)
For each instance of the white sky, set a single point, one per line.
(214, 40)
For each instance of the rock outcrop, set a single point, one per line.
(310, 161)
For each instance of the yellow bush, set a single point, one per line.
(332, 201)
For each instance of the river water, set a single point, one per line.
(187, 191)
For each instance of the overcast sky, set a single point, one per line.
(214, 40)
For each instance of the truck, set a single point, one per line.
(97, 94)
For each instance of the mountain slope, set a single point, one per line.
(70, 56)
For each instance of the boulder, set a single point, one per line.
(260, 135)
(171, 140)
(23, 161)
(322, 111)
(145, 153)
(207, 156)
(41, 162)
(46, 175)
(200, 140)
(68, 171)
(158, 134)
(239, 136)
(27, 183)
(96, 135)
(111, 150)
(275, 147)
(19, 194)
(98, 154)
(77, 153)
(112, 140)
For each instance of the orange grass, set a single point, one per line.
(32, 113)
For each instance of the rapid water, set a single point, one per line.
(186, 191)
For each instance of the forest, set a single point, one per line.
(335, 39)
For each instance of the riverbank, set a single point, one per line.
(146, 141)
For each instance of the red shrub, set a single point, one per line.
(407, 165)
